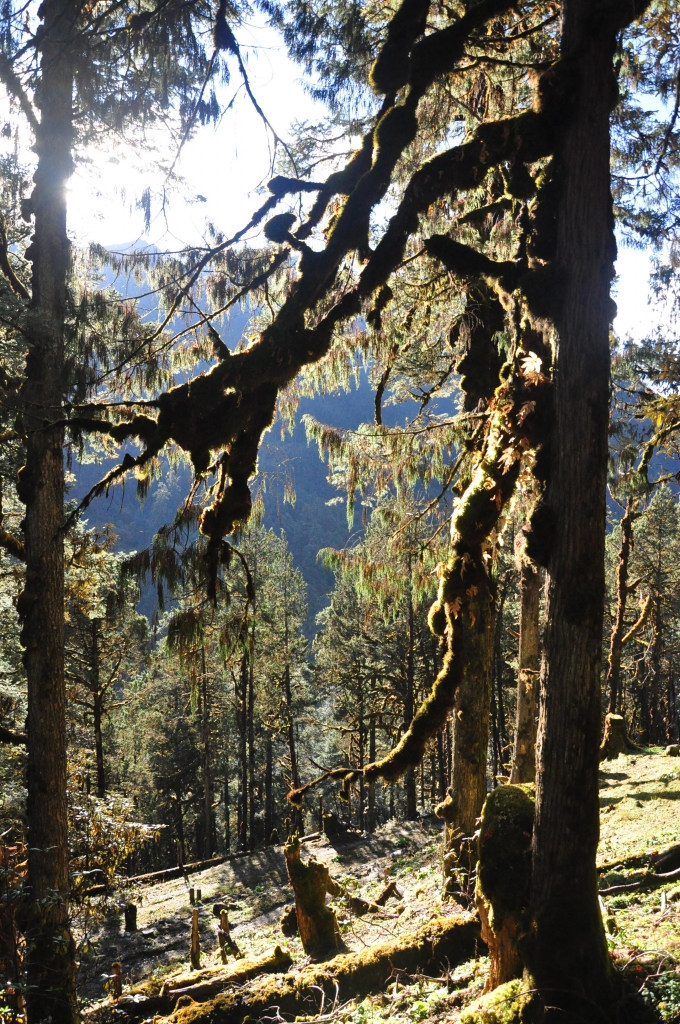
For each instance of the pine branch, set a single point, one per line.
(12, 545)
(14, 87)
(6, 266)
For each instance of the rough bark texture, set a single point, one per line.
(524, 755)
(568, 952)
(50, 949)
(471, 726)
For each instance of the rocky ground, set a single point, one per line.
(639, 815)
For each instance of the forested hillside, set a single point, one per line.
(339, 529)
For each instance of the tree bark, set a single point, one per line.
(268, 794)
(567, 952)
(524, 755)
(616, 643)
(371, 784)
(97, 710)
(227, 796)
(409, 702)
(207, 774)
(362, 760)
(292, 746)
(242, 693)
(50, 949)
(251, 746)
(471, 727)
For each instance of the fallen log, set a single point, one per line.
(665, 859)
(203, 985)
(649, 880)
(443, 943)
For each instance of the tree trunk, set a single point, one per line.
(656, 702)
(371, 784)
(50, 949)
(524, 756)
(243, 752)
(615, 646)
(568, 952)
(268, 794)
(441, 764)
(180, 831)
(409, 702)
(292, 746)
(207, 774)
(251, 746)
(97, 710)
(498, 675)
(361, 761)
(471, 727)
(227, 797)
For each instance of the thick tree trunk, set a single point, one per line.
(50, 949)
(616, 643)
(524, 755)
(568, 952)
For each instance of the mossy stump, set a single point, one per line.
(317, 923)
(615, 740)
(504, 877)
(511, 1003)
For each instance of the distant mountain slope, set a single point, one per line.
(310, 524)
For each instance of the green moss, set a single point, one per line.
(443, 943)
(512, 1003)
(504, 871)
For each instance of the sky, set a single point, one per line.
(224, 164)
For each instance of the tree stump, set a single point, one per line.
(195, 953)
(504, 877)
(131, 918)
(317, 923)
(116, 980)
(288, 923)
(615, 740)
(227, 944)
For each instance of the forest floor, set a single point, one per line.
(639, 815)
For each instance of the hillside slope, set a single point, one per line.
(639, 797)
